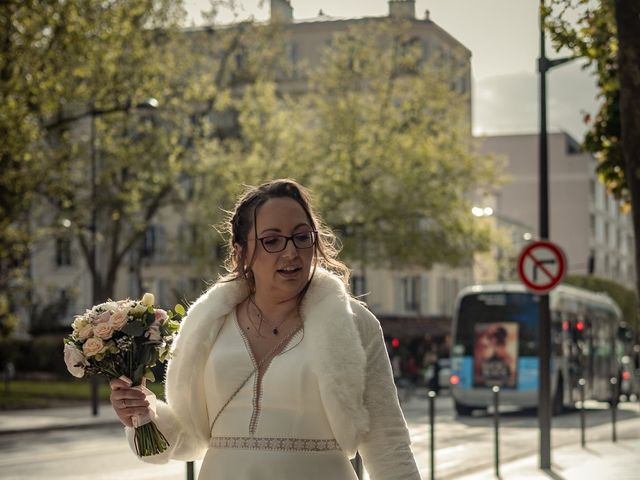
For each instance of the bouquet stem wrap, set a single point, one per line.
(148, 440)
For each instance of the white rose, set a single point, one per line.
(109, 306)
(75, 360)
(119, 319)
(153, 333)
(103, 331)
(79, 322)
(148, 299)
(85, 332)
(93, 346)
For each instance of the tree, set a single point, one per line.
(607, 34)
(382, 138)
(78, 78)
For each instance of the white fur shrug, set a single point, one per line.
(349, 359)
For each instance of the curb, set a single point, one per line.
(50, 428)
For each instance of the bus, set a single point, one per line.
(495, 342)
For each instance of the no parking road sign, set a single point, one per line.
(541, 266)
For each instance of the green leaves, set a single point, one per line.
(593, 36)
(134, 328)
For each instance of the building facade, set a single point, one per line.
(584, 219)
(159, 264)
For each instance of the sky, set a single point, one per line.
(504, 39)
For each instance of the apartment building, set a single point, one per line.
(584, 219)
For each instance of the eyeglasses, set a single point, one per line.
(277, 243)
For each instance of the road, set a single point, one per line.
(462, 445)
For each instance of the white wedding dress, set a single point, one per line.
(274, 431)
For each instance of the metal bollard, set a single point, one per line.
(582, 382)
(9, 373)
(190, 471)
(432, 435)
(496, 425)
(614, 407)
(95, 401)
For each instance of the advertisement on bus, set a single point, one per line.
(495, 354)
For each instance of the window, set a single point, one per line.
(293, 53)
(154, 244)
(613, 239)
(411, 293)
(63, 252)
(358, 284)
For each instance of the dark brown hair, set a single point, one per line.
(242, 219)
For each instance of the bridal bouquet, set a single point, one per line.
(124, 339)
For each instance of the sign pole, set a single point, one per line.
(544, 385)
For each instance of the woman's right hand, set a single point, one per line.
(127, 401)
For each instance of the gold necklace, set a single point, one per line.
(262, 317)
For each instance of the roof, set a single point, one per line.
(328, 19)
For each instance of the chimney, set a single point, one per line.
(281, 11)
(404, 9)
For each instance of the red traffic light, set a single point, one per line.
(580, 326)
(455, 380)
(395, 343)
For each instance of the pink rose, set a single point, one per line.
(119, 319)
(93, 346)
(103, 331)
(102, 318)
(161, 316)
(85, 332)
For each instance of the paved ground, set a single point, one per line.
(602, 459)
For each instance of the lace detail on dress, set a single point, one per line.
(284, 344)
(276, 443)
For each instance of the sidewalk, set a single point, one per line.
(22, 421)
(599, 460)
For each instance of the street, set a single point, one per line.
(462, 445)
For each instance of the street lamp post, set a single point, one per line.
(94, 221)
(544, 385)
(149, 104)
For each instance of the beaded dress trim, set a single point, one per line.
(275, 444)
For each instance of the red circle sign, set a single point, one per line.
(541, 266)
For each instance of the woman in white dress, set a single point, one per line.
(277, 372)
